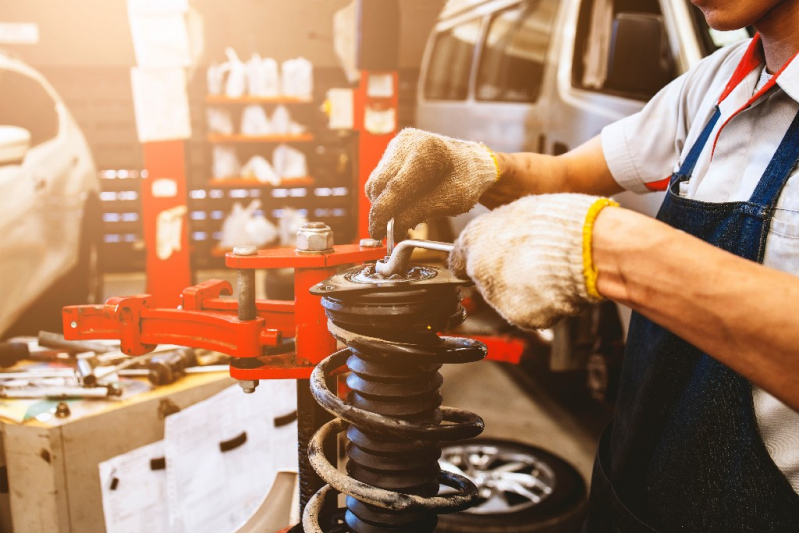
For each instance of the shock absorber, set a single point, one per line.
(393, 416)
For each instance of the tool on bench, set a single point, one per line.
(111, 390)
(12, 353)
(390, 325)
(56, 340)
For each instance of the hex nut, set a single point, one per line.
(248, 385)
(315, 237)
(62, 410)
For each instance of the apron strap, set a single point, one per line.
(780, 168)
(687, 167)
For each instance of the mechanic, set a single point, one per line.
(706, 431)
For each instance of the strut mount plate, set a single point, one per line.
(363, 278)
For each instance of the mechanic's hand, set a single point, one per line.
(423, 176)
(527, 258)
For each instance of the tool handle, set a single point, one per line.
(13, 352)
(55, 340)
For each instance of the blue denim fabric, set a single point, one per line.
(684, 452)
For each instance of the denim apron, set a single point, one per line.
(684, 452)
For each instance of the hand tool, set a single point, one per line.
(56, 340)
(107, 391)
(13, 352)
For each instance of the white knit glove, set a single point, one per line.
(423, 176)
(527, 258)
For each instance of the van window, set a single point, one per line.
(450, 64)
(25, 103)
(593, 45)
(514, 55)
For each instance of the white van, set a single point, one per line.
(547, 75)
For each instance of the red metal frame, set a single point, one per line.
(371, 146)
(207, 320)
(165, 277)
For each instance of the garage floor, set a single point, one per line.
(510, 412)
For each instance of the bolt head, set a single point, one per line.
(248, 385)
(245, 250)
(62, 410)
(315, 237)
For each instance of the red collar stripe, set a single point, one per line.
(752, 59)
(749, 62)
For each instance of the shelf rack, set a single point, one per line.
(217, 138)
(244, 183)
(222, 99)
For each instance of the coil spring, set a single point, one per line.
(393, 415)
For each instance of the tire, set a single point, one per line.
(561, 489)
(81, 285)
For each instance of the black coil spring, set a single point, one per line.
(393, 415)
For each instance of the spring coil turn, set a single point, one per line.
(393, 415)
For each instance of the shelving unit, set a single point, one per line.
(217, 138)
(243, 183)
(220, 193)
(222, 99)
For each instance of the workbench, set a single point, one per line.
(52, 463)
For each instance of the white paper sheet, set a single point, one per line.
(211, 491)
(379, 121)
(169, 231)
(158, 6)
(137, 500)
(342, 112)
(380, 86)
(161, 104)
(160, 40)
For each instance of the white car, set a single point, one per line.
(50, 213)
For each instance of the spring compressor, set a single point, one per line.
(389, 323)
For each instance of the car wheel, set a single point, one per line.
(522, 489)
(81, 285)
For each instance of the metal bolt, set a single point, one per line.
(369, 243)
(315, 237)
(248, 385)
(245, 283)
(62, 410)
(390, 237)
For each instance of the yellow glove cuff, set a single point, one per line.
(495, 160)
(589, 271)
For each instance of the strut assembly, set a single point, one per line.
(393, 415)
(389, 315)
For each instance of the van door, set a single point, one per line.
(444, 98)
(497, 100)
(589, 95)
(509, 110)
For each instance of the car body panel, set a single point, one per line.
(42, 204)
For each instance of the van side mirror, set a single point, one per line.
(640, 62)
(14, 144)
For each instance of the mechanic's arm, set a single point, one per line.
(582, 170)
(423, 175)
(740, 312)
